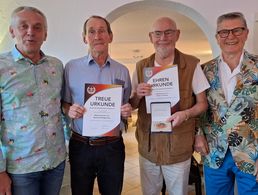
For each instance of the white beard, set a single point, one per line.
(163, 52)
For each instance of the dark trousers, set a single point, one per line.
(106, 162)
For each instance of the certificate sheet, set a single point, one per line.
(160, 111)
(165, 85)
(103, 110)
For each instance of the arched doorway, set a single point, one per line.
(131, 24)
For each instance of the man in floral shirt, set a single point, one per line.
(231, 122)
(32, 151)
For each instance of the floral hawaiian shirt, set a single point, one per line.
(31, 132)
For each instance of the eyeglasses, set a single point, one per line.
(167, 33)
(235, 31)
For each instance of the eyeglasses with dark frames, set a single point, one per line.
(167, 33)
(235, 31)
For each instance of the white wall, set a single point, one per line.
(66, 17)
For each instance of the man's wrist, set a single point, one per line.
(186, 115)
(138, 97)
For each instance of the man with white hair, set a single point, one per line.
(168, 155)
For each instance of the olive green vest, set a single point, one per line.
(168, 148)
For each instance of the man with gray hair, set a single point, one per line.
(231, 122)
(32, 145)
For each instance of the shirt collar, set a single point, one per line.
(156, 64)
(90, 60)
(17, 56)
(238, 68)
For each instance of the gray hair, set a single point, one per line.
(231, 16)
(27, 8)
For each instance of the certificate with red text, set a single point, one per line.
(165, 85)
(103, 110)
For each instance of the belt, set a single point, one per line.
(95, 141)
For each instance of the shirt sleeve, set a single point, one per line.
(200, 82)
(127, 88)
(66, 93)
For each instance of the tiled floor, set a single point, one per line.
(131, 175)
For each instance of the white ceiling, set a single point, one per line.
(131, 42)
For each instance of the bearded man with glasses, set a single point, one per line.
(230, 149)
(168, 155)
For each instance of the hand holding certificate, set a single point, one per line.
(103, 115)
